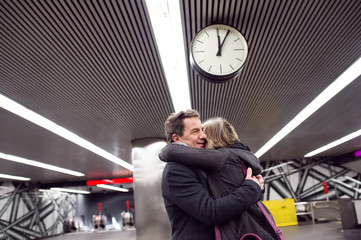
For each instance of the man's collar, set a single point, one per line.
(181, 143)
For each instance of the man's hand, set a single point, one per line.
(257, 179)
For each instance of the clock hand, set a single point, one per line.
(220, 48)
(219, 42)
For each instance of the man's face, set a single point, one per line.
(193, 134)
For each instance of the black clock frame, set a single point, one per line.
(211, 77)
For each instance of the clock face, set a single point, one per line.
(219, 52)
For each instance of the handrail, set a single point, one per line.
(325, 205)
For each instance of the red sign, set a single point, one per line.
(325, 187)
(109, 181)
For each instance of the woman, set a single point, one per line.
(224, 160)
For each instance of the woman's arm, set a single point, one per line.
(181, 186)
(205, 159)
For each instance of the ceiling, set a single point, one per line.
(93, 67)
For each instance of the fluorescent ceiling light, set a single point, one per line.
(166, 23)
(33, 117)
(341, 82)
(277, 166)
(14, 177)
(69, 190)
(39, 164)
(113, 188)
(334, 143)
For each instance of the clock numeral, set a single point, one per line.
(231, 66)
(200, 41)
(199, 51)
(206, 33)
(220, 68)
(210, 68)
(238, 49)
(201, 61)
(239, 59)
(236, 39)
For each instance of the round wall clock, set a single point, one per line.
(218, 53)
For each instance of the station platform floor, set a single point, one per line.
(322, 231)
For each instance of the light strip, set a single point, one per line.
(277, 166)
(353, 180)
(39, 164)
(341, 82)
(14, 177)
(166, 23)
(334, 143)
(39, 120)
(69, 190)
(113, 188)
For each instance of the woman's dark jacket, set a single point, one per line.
(191, 210)
(225, 174)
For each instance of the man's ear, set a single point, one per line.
(175, 138)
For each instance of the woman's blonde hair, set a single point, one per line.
(220, 133)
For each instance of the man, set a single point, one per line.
(191, 210)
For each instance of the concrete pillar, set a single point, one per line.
(152, 222)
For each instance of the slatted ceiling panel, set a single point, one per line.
(96, 54)
(34, 53)
(290, 44)
(335, 117)
(147, 85)
(93, 66)
(318, 80)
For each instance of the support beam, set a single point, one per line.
(280, 188)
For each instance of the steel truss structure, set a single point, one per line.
(303, 180)
(27, 213)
